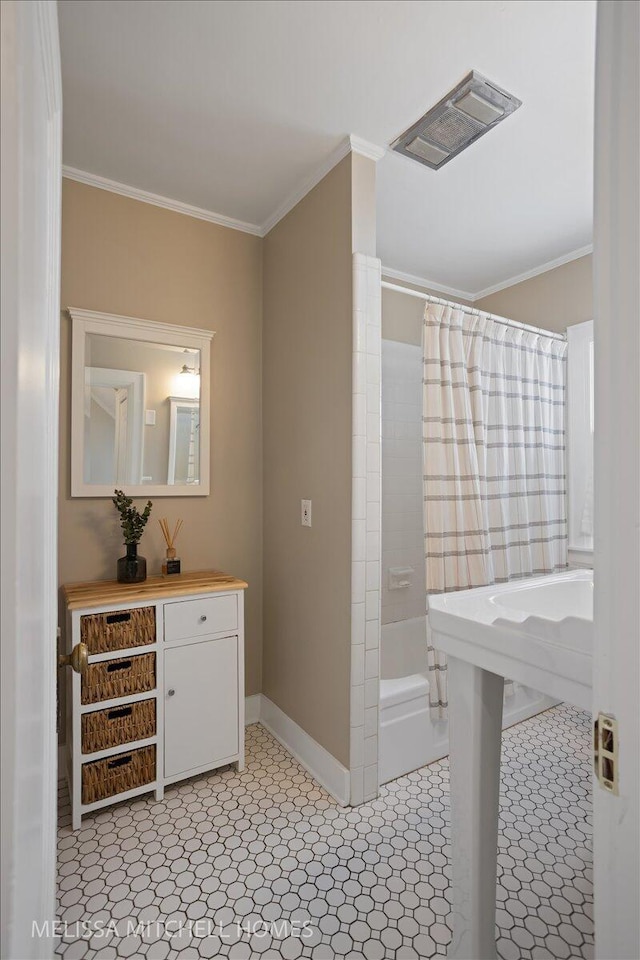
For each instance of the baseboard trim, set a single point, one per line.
(252, 709)
(322, 765)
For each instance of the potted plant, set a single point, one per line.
(131, 568)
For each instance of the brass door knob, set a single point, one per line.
(78, 659)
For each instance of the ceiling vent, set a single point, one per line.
(475, 106)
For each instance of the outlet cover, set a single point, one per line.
(305, 513)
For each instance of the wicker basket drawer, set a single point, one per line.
(119, 629)
(114, 775)
(102, 729)
(108, 679)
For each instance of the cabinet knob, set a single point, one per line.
(171, 692)
(203, 618)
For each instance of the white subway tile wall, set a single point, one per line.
(365, 537)
(402, 514)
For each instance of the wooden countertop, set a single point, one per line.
(97, 593)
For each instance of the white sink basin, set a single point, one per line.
(554, 598)
(539, 631)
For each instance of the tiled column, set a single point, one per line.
(366, 548)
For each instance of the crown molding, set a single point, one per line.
(134, 193)
(535, 272)
(366, 149)
(350, 144)
(391, 274)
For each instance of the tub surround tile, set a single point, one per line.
(402, 518)
(373, 576)
(357, 705)
(370, 752)
(371, 722)
(366, 460)
(358, 582)
(371, 664)
(358, 665)
(371, 692)
(359, 540)
(357, 743)
(372, 635)
(358, 622)
(371, 779)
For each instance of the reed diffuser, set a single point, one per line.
(171, 564)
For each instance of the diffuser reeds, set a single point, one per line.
(171, 564)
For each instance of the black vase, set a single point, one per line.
(132, 568)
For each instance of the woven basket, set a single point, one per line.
(113, 775)
(109, 679)
(102, 729)
(103, 632)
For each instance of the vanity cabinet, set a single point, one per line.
(162, 695)
(201, 694)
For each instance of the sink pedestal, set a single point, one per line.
(475, 732)
(490, 633)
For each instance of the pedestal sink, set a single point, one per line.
(538, 632)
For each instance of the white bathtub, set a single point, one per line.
(409, 737)
(407, 732)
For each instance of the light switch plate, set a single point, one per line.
(305, 513)
(150, 418)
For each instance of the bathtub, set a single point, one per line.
(409, 737)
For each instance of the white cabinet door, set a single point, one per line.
(200, 705)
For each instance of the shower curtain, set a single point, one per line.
(494, 458)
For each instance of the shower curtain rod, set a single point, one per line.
(472, 310)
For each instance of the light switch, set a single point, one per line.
(305, 513)
(150, 418)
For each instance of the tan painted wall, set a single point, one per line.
(402, 315)
(307, 344)
(125, 257)
(554, 300)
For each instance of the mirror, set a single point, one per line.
(139, 407)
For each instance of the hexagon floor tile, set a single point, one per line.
(266, 864)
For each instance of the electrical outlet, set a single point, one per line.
(305, 513)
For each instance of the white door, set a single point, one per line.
(30, 320)
(617, 480)
(201, 704)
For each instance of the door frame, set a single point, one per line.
(616, 658)
(31, 222)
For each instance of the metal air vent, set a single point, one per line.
(465, 114)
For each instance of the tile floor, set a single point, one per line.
(266, 864)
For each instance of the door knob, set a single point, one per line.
(171, 692)
(203, 618)
(78, 659)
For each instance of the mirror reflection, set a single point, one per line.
(141, 413)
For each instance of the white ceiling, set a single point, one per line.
(232, 106)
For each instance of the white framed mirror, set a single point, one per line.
(140, 400)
